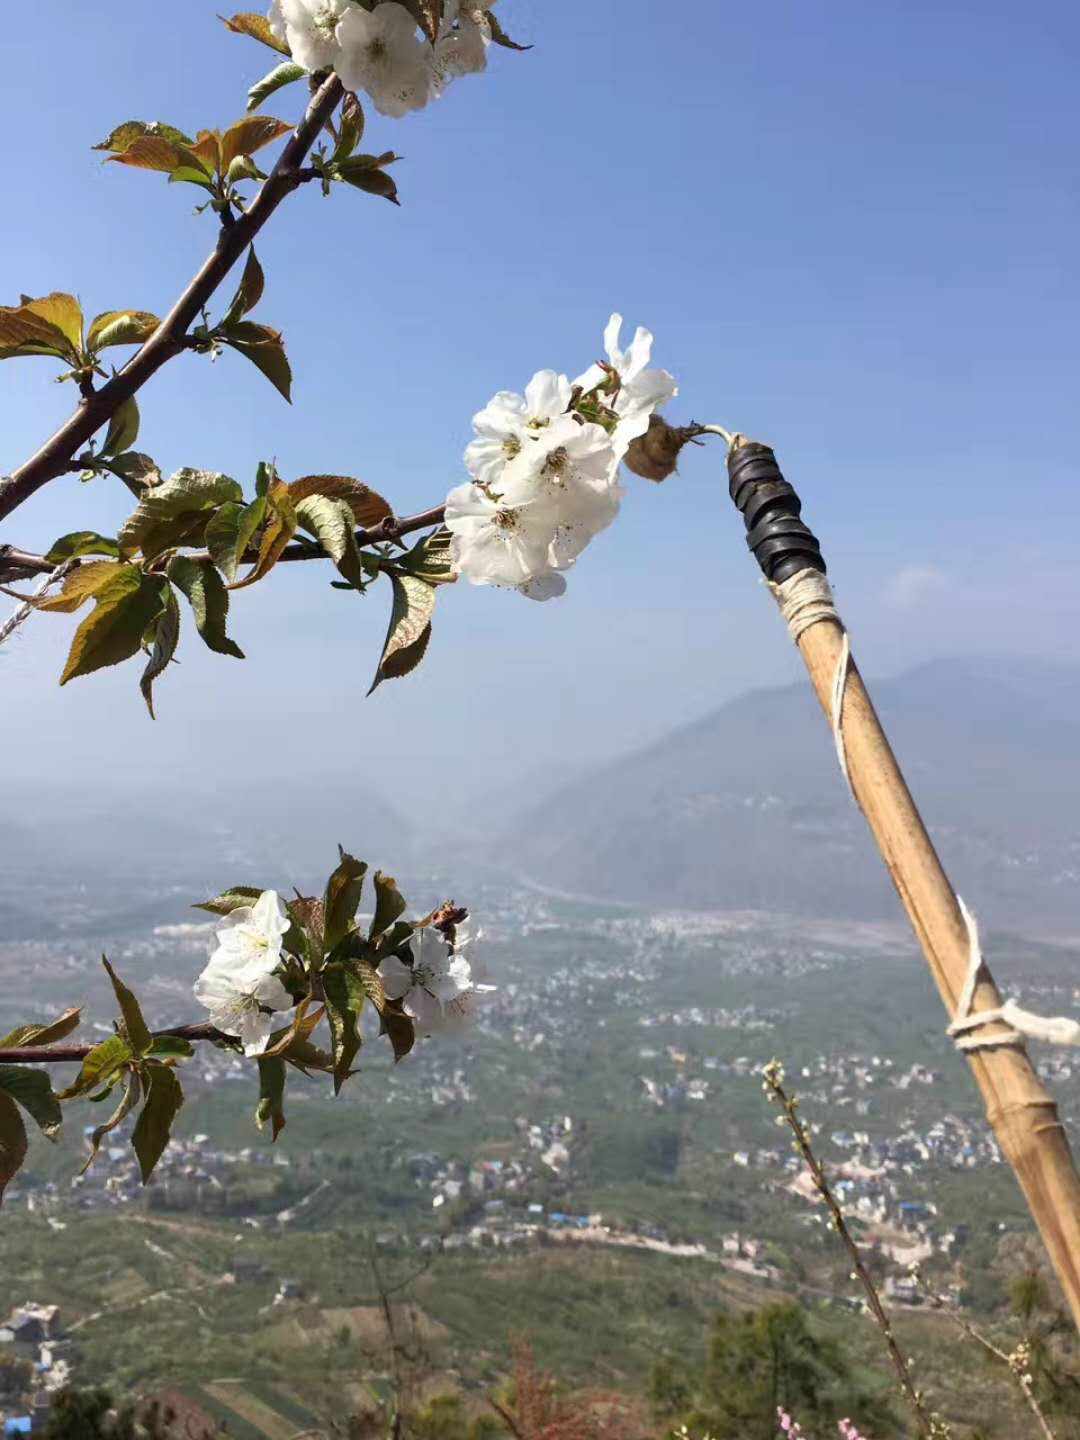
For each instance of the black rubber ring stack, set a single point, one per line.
(771, 509)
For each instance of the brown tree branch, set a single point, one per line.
(16, 563)
(76, 1054)
(169, 339)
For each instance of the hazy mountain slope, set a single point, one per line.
(138, 847)
(745, 807)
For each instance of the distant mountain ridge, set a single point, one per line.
(138, 850)
(744, 808)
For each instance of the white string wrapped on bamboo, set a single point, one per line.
(804, 600)
(1021, 1024)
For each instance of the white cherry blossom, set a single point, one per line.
(570, 470)
(641, 390)
(509, 419)
(462, 46)
(238, 998)
(310, 29)
(495, 542)
(460, 1011)
(438, 978)
(383, 54)
(252, 934)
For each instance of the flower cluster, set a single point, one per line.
(545, 466)
(239, 986)
(242, 986)
(381, 51)
(438, 989)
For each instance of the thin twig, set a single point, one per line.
(169, 339)
(1017, 1363)
(773, 1076)
(29, 602)
(22, 562)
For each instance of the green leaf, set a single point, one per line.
(271, 1095)
(33, 1090)
(63, 311)
(154, 152)
(135, 1029)
(300, 1028)
(366, 172)
(163, 649)
(429, 559)
(265, 349)
(242, 167)
(499, 35)
(153, 146)
(207, 151)
(192, 175)
(167, 512)
(103, 1062)
(332, 524)
(394, 940)
(350, 128)
(41, 327)
(345, 998)
(342, 898)
(249, 135)
(138, 472)
(123, 429)
(97, 577)
(305, 935)
(114, 629)
(81, 542)
(120, 327)
(367, 506)
(230, 532)
(389, 904)
(128, 1101)
(258, 27)
(249, 292)
(307, 1057)
(209, 600)
(48, 1034)
(164, 1098)
(13, 1145)
(63, 314)
(125, 135)
(399, 1028)
(410, 628)
(281, 75)
(167, 1047)
(280, 528)
(230, 900)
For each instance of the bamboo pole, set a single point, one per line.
(1020, 1110)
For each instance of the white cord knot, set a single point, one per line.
(1021, 1025)
(805, 599)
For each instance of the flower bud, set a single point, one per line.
(655, 454)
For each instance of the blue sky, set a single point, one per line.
(853, 229)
